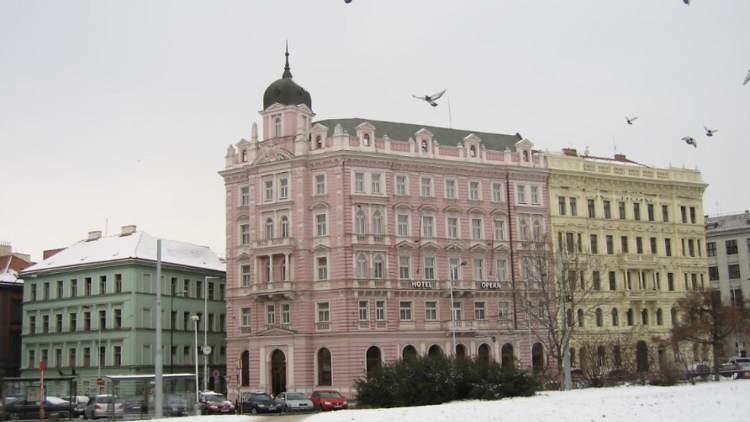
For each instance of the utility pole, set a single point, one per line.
(159, 365)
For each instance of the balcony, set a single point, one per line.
(275, 290)
(273, 243)
(462, 325)
(372, 284)
(322, 326)
(638, 261)
(369, 239)
(641, 295)
(246, 330)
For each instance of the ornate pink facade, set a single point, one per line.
(346, 240)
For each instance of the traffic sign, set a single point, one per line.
(216, 373)
(41, 366)
(99, 381)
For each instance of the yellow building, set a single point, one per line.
(632, 241)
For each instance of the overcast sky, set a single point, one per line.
(115, 113)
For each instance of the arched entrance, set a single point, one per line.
(641, 357)
(460, 351)
(506, 354)
(537, 357)
(374, 360)
(325, 376)
(483, 354)
(278, 372)
(245, 365)
(409, 353)
(434, 350)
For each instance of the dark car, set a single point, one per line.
(215, 404)
(24, 409)
(175, 405)
(259, 402)
(328, 400)
(135, 405)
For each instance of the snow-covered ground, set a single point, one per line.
(708, 401)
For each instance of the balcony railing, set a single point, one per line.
(322, 326)
(271, 243)
(641, 294)
(246, 330)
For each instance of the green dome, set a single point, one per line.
(285, 91)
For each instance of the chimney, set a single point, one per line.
(51, 252)
(95, 235)
(127, 230)
(5, 249)
(621, 157)
(571, 152)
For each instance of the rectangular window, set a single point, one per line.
(569, 242)
(711, 249)
(323, 312)
(400, 185)
(502, 275)
(624, 244)
(426, 187)
(118, 283)
(502, 311)
(404, 308)
(244, 234)
(521, 194)
(118, 318)
(668, 247)
(456, 313)
(612, 281)
(199, 289)
(103, 285)
(713, 273)
(376, 183)
(430, 311)
(270, 315)
(60, 293)
(478, 269)
(476, 228)
(404, 270)
(427, 230)
(403, 225)
(497, 192)
(535, 195)
(211, 291)
(692, 215)
(59, 323)
(320, 225)
(594, 244)
(499, 230)
(621, 208)
(670, 281)
(592, 208)
(683, 214)
(450, 189)
(269, 190)
(691, 247)
(286, 314)
(653, 246)
(638, 245)
(380, 310)
(474, 191)
(74, 287)
(734, 271)
(573, 207)
(46, 291)
(245, 320)
(320, 184)
(429, 268)
(359, 182)
(244, 196)
(480, 311)
(452, 228)
(650, 211)
(322, 268)
(665, 213)
(103, 319)
(561, 205)
(118, 355)
(596, 281)
(453, 268)
(73, 322)
(283, 188)
(731, 246)
(363, 310)
(607, 209)
(245, 274)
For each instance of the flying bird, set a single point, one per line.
(690, 141)
(710, 132)
(431, 98)
(347, 1)
(684, 1)
(630, 119)
(747, 78)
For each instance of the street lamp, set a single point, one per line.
(206, 347)
(196, 318)
(171, 331)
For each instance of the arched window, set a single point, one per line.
(506, 354)
(378, 266)
(460, 351)
(374, 361)
(277, 127)
(361, 266)
(580, 317)
(641, 356)
(525, 156)
(377, 223)
(424, 146)
(483, 354)
(245, 373)
(284, 227)
(366, 139)
(571, 321)
(318, 142)
(599, 318)
(269, 228)
(268, 270)
(617, 356)
(572, 354)
(360, 222)
(522, 231)
(644, 317)
(244, 156)
(325, 374)
(615, 317)
(409, 353)
(434, 351)
(537, 357)
(583, 358)
(601, 356)
(659, 317)
(673, 314)
(537, 231)
(630, 316)
(472, 151)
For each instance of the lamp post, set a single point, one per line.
(98, 348)
(171, 331)
(206, 348)
(195, 318)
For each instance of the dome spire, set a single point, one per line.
(287, 72)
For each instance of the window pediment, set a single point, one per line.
(476, 210)
(320, 205)
(403, 205)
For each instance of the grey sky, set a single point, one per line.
(122, 111)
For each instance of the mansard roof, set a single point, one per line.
(444, 136)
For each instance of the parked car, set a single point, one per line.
(102, 405)
(24, 409)
(294, 402)
(79, 404)
(700, 370)
(259, 402)
(215, 404)
(328, 400)
(176, 405)
(740, 361)
(135, 405)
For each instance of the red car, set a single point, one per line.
(328, 400)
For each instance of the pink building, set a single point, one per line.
(354, 242)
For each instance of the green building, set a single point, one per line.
(89, 310)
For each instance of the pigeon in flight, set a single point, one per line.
(747, 78)
(686, 2)
(710, 132)
(630, 119)
(431, 98)
(690, 141)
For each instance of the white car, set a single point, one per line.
(102, 406)
(79, 404)
(295, 402)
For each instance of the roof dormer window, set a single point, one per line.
(318, 142)
(366, 139)
(244, 156)
(526, 156)
(277, 127)
(472, 151)
(424, 146)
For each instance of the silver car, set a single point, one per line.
(79, 404)
(295, 402)
(102, 406)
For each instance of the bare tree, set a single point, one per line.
(705, 320)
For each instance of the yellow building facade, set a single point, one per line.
(632, 240)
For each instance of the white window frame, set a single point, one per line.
(501, 270)
(320, 184)
(403, 226)
(474, 189)
(431, 310)
(404, 267)
(246, 317)
(268, 197)
(499, 230)
(535, 195)
(359, 182)
(450, 188)
(425, 187)
(378, 266)
(476, 229)
(361, 266)
(401, 185)
(480, 311)
(321, 263)
(245, 275)
(478, 269)
(429, 268)
(284, 188)
(323, 312)
(497, 192)
(244, 196)
(375, 182)
(521, 191)
(363, 310)
(452, 229)
(405, 310)
(428, 226)
(321, 224)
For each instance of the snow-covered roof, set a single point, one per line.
(729, 222)
(139, 245)
(9, 276)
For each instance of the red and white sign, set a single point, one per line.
(99, 381)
